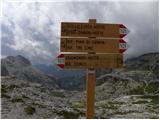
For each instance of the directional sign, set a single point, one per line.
(98, 45)
(93, 30)
(82, 61)
(103, 45)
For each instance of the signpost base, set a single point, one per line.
(90, 91)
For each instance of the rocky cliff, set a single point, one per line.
(21, 68)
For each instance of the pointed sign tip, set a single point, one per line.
(122, 41)
(121, 26)
(122, 35)
(61, 65)
(128, 31)
(61, 56)
(122, 50)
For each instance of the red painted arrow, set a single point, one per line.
(123, 31)
(60, 64)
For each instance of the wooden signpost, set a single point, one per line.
(95, 45)
(84, 61)
(93, 30)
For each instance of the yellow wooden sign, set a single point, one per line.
(89, 45)
(92, 38)
(81, 61)
(93, 30)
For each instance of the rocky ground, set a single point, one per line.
(21, 99)
(125, 93)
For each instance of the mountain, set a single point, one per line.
(59, 73)
(69, 79)
(66, 79)
(21, 68)
(131, 92)
(75, 79)
(148, 61)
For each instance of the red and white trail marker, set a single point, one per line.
(123, 46)
(105, 45)
(123, 31)
(73, 29)
(60, 61)
(84, 61)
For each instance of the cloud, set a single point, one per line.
(33, 29)
(28, 34)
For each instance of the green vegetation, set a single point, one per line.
(3, 89)
(116, 102)
(125, 112)
(125, 82)
(68, 114)
(152, 87)
(39, 105)
(15, 100)
(154, 117)
(155, 99)
(79, 104)
(110, 105)
(23, 96)
(138, 91)
(5, 96)
(11, 87)
(81, 113)
(58, 94)
(29, 110)
(140, 102)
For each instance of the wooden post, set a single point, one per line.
(90, 93)
(90, 86)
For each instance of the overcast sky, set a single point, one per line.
(32, 29)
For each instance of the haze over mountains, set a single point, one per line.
(131, 92)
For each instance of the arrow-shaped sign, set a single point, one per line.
(60, 60)
(123, 31)
(69, 29)
(83, 61)
(123, 46)
(98, 45)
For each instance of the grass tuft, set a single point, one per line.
(29, 110)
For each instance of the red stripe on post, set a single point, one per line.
(122, 41)
(121, 26)
(61, 56)
(122, 50)
(61, 65)
(122, 35)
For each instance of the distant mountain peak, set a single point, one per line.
(26, 61)
(21, 68)
(18, 61)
